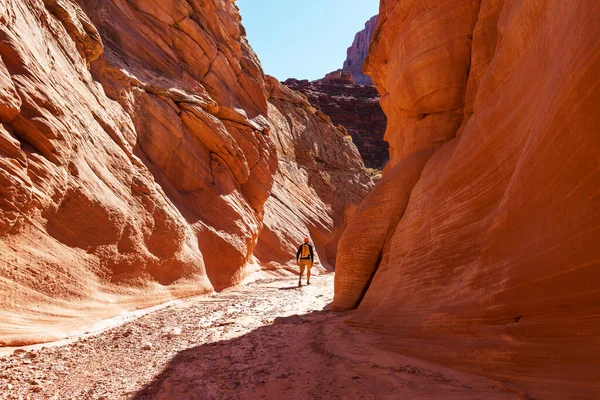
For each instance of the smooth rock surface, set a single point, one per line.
(487, 259)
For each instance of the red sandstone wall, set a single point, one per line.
(319, 182)
(480, 246)
(136, 159)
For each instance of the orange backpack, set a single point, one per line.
(305, 251)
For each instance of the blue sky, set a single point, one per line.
(303, 39)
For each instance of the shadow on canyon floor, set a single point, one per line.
(250, 342)
(290, 288)
(310, 356)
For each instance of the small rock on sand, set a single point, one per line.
(172, 332)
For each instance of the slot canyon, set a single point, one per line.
(155, 184)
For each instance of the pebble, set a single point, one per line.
(49, 365)
(173, 332)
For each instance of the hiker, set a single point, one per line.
(305, 258)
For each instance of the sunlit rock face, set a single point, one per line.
(319, 182)
(479, 247)
(358, 51)
(137, 154)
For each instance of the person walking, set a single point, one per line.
(305, 258)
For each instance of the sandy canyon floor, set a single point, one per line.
(269, 340)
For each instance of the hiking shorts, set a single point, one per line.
(304, 264)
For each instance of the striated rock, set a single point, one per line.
(319, 182)
(357, 53)
(136, 160)
(196, 97)
(355, 107)
(479, 247)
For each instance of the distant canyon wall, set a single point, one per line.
(357, 53)
(355, 107)
(350, 99)
(140, 148)
(479, 248)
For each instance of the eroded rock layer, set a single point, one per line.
(350, 99)
(137, 155)
(319, 182)
(355, 107)
(479, 247)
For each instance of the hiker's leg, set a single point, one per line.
(308, 274)
(301, 273)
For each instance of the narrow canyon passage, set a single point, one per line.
(149, 159)
(267, 340)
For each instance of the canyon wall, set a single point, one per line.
(357, 53)
(479, 248)
(139, 150)
(319, 182)
(350, 99)
(355, 107)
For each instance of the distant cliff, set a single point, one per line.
(356, 107)
(358, 52)
(350, 99)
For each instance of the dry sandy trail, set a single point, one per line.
(236, 345)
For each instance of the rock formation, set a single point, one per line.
(355, 107)
(138, 154)
(357, 53)
(350, 99)
(318, 185)
(479, 247)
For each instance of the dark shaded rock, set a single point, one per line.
(354, 106)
